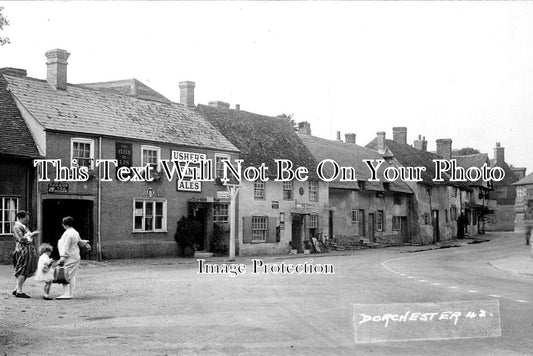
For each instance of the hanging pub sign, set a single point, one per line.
(188, 184)
(275, 204)
(124, 154)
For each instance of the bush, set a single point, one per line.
(218, 246)
(189, 231)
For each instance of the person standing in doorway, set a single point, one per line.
(25, 256)
(461, 224)
(69, 253)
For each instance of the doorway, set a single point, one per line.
(296, 232)
(404, 229)
(371, 227)
(435, 223)
(54, 210)
(362, 230)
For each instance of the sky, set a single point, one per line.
(459, 70)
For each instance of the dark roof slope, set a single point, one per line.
(526, 180)
(509, 178)
(351, 155)
(131, 87)
(473, 160)
(15, 137)
(409, 156)
(260, 138)
(82, 110)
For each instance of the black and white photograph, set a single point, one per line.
(266, 178)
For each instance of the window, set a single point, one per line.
(220, 212)
(396, 223)
(501, 192)
(446, 215)
(355, 216)
(426, 219)
(520, 191)
(313, 221)
(259, 190)
(380, 221)
(397, 199)
(287, 190)
(454, 192)
(151, 155)
(150, 216)
(468, 195)
(361, 184)
(8, 210)
(313, 191)
(259, 228)
(453, 213)
(82, 150)
(219, 166)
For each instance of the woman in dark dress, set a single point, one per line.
(25, 255)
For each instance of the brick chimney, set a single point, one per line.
(56, 63)
(187, 93)
(339, 136)
(499, 153)
(381, 141)
(399, 135)
(237, 106)
(219, 104)
(349, 138)
(421, 143)
(304, 128)
(15, 72)
(444, 148)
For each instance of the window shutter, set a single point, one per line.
(271, 230)
(384, 220)
(247, 229)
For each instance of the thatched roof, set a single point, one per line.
(260, 138)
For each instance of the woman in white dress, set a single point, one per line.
(70, 255)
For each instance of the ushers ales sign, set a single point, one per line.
(193, 159)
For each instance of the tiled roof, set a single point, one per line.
(260, 138)
(473, 160)
(351, 155)
(526, 180)
(131, 87)
(15, 137)
(82, 110)
(409, 156)
(509, 178)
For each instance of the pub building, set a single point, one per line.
(131, 123)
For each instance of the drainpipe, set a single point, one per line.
(99, 208)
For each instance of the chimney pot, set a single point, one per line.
(444, 148)
(56, 63)
(237, 107)
(381, 141)
(187, 93)
(304, 128)
(399, 134)
(499, 153)
(421, 143)
(339, 136)
(349, 138)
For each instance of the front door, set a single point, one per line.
(54, 210)
(435, 223)
(296, 231)
(371, 227)
(362, 231)
(404, 229)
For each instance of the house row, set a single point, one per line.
(133, 124)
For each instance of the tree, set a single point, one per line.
(3, 22)
(467, 151)
(290, 119)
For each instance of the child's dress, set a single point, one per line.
(41, 275)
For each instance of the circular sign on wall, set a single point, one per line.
(150, 193)
(301, 191)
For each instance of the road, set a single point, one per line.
(158, 307)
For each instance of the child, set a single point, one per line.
(45, 271)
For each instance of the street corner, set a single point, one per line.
(520, 265)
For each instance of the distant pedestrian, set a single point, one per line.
(45, 269)
(69, 252)
(25, 256)
(461, 224)
(528, 219)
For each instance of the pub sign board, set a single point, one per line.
(57, 187)
(194, 158)
(124, 153)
